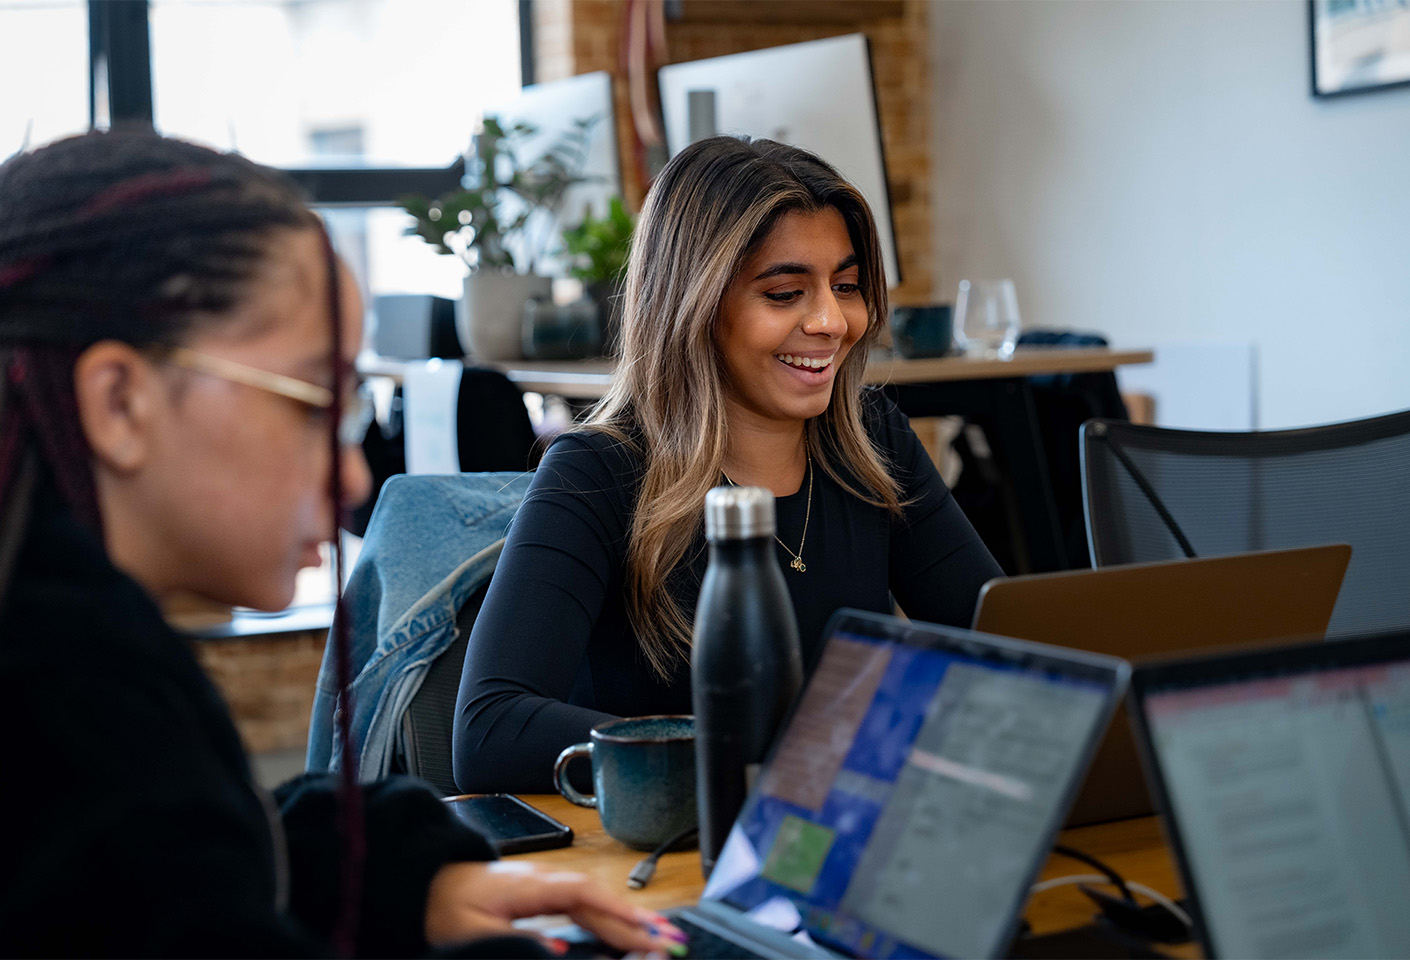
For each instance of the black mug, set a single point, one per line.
(923, 331)
(643, 776)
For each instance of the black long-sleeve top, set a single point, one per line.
(552, 652)
(131, 826)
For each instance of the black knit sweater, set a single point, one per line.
(131, 825)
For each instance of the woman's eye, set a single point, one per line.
(845, 289)
(786, 297)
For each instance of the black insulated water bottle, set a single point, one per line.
(746, 664)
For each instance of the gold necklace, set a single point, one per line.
(797, 562)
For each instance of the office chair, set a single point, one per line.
(424, 740)
(1157, 494)
(493, 434)
(1062, 403)
(492, 425)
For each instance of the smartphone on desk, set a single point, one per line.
(510, 824)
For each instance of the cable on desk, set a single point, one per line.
(641, 873)
(1175, 909)
(1111, 876)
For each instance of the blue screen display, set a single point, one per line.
(909, 799)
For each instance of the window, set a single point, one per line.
(43, 71)
(363, 100)
(344, 83)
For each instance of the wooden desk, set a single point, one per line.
(589, 379)
(1134, 848)
(995, 393)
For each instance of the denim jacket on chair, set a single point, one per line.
(431, 542)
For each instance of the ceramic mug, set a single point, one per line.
(922, 331)
(643, 776)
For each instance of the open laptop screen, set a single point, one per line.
(1286, 776)
(915, 791)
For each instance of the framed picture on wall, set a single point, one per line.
(1359, 45)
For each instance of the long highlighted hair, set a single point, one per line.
(706, 213)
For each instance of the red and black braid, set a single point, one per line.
(350, 809)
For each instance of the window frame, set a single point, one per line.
(119, 35)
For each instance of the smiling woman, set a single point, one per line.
(754, 290)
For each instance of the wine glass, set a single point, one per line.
(986, 318)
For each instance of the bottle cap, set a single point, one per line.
(738, 513)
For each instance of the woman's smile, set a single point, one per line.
(802, 361)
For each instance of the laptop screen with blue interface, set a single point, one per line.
(911, 798)
(1290, 791)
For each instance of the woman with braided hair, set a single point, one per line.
(176, 338)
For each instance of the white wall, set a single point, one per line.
(1158, 171)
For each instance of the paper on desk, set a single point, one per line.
(431, 393)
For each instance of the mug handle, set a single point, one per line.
(560, 774)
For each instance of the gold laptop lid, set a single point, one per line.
(1160, 610)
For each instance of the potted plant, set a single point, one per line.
(598, 248)
(496, 225)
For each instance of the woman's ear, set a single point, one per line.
(118, 394)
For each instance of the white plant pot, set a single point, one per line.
(489, 317)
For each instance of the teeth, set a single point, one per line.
(804, 362)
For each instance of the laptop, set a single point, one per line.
(1284, 778)
(1160, 609)
(911, 797)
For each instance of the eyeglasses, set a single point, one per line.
(356, 417)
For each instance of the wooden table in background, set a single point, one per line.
(994, 393)
(1134, 848)
(589, 379)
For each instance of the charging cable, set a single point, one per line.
(1175, 909)
(641, 873)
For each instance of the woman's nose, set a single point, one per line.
(827, 319)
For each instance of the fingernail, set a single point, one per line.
(677, 950)
(559, 947)
(666, 929)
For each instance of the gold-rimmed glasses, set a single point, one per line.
(352, 424)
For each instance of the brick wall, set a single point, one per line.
(268, 683)
(581, 36)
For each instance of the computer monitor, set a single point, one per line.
(552, 108)
(816, 95)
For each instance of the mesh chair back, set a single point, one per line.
(1157, 494)
(424, 742)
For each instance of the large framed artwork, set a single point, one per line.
(1359, 45)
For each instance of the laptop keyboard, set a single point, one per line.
(705, 944)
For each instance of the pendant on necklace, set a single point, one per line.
(799, 565)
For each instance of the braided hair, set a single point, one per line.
(133, 237)
(112, 236)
